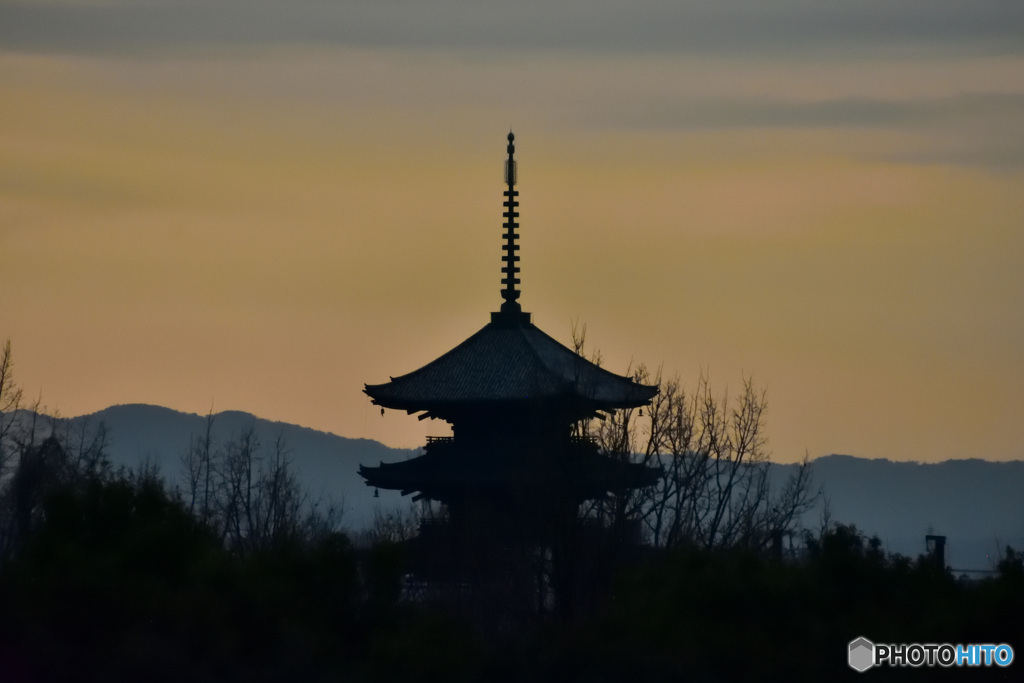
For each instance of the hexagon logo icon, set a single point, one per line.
(861, 654)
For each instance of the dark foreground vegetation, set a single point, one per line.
(237, 576)
(118, 581)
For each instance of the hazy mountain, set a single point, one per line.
(326, 464)
(977, 504)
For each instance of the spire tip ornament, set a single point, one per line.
(510, 292)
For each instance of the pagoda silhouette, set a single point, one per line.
(512, 469)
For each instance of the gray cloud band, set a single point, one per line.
(703, 27)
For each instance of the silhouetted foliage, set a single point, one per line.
(41, 465)
(1011, 566)
(733, 614)
(715, 490)
(119, 581)
(109, 576)
(251, 498)
(10, 404)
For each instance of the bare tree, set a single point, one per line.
(396, 524)
(197, 463)
(38, 452)
(85, 446)
(10, 404)
(715, 489)
(252, 499)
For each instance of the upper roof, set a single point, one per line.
(509, 360)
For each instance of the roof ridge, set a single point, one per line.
(587, 362)
(522, 329)
(507, 363)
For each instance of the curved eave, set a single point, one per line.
(571, 408)
(503, 364)
(434, 474)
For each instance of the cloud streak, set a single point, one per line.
(733, 27)
(270, 203)
(973, 130)
(831, 113)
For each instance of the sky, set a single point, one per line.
(262, 205)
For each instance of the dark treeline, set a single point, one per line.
(113, 576)
(118, 581)
(110, 576)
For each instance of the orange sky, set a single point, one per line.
(267, 227)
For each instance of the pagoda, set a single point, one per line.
(512, 395)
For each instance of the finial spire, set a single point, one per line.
(510, 293)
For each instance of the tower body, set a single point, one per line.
(512, 394)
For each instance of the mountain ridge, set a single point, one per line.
(976, 503)
(326, 464)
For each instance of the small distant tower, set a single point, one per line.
(936, 547)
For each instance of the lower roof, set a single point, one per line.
(440, 473)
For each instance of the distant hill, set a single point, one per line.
(327, 464)
(978, 505)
